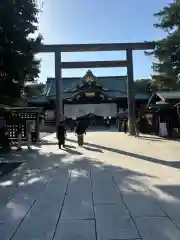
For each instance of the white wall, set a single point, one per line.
(102, 109)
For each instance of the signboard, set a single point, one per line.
(90, 94)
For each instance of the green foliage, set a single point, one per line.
(169, 16)
(167, 50)
(164, 82)
(33, 90)
(142, 85)
(18, 46)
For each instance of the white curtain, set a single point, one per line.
(79, 110)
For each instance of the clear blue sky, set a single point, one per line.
(98, 21)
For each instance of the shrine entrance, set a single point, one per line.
(128, 62)
(80, 110)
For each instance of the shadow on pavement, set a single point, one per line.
(48, 169)
(72, 151)
(51, 143)
(152, 138)
(93, 149)
(32, 184)
(173, 164)
(70, 146)
(6, 168)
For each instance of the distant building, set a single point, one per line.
(162, 115)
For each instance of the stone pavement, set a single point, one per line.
(115, 187)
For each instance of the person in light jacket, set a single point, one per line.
(137, 128)
(80, 131)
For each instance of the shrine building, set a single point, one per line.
(90, 95)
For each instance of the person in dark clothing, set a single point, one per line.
(84, 125)
(80, 131)
(4, 139)
(19, 138)
(71, 126)
(61, 133)
(119, 125)
(125, 126)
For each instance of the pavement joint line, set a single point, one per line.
(170, 218)
(167, 215)
(76, 219)
(159, 205)
(37, 197)
(152, 216)
(140, 237)
(61, 208)
(103, 203)
(93, 202)
(125, 239)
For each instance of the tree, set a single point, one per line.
(162, 81)
(32, 90)
(167, 50)
(142, 85)
(18, 47)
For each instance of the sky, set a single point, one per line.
(98, 21)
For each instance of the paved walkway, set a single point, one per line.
(116, 187)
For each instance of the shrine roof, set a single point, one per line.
(114, 94)
(110, 83)
(38, 99)
(23, 109)
(113, 86)
(168, 95)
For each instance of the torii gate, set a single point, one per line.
(59, 65)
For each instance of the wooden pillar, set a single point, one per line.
(59, 90)
(130, 92)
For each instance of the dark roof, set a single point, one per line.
(113, 86)
(168, 95)
(69, 84)
(23, 109)
(38, 99)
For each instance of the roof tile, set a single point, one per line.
(69, 84)
(169, 95)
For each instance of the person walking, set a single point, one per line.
(4, 139)
(19, 138)
(125, 126)
(61, 133)
(80, 131)
(71, 125)
(29, 129)
(119, 125)
(137, 128)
